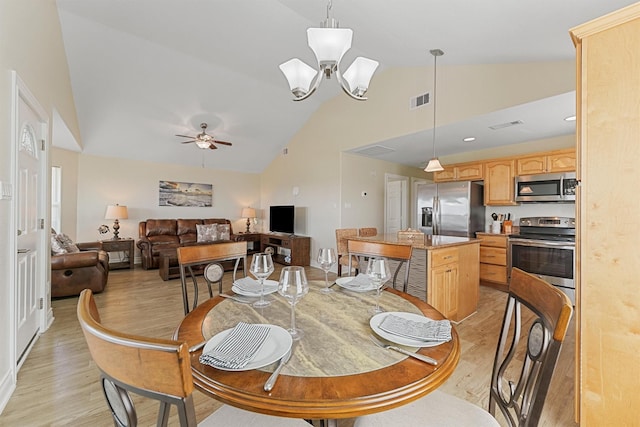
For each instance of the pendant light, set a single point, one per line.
(434, 164)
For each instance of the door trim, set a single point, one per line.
(389, 177)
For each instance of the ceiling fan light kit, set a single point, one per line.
(204, 140)
(434, 164)
(329, 43)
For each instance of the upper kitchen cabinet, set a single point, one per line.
(460, 172)
(608, 260)
(498, 182)
(552, 162)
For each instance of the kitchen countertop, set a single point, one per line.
(428, 242)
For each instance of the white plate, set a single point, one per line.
(276, 345)
(343, 282)
(399, 339)
(270, 286)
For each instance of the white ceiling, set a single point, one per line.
(145, 70)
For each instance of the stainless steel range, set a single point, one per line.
(545, 247)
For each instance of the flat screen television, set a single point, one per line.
(281, 219)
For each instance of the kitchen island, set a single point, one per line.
(444, 272)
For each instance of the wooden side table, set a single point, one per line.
(120, 245)
(252, 239)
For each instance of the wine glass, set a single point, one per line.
(261, 268)
(326, 259)
(293, 286)
(379, 273)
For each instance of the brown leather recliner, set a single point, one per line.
(73, 272)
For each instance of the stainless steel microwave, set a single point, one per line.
(552, 187)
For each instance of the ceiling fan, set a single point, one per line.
(204, 140)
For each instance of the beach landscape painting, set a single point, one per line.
(189, 194)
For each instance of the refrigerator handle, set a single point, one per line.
(436, 215)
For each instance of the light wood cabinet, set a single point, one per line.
(498, 183)
(453, 290)
(607, 259)
(493, 260)
(460, 172)
(557, 161)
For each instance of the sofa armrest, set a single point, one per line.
(79, 259)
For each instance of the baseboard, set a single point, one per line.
(7, 387)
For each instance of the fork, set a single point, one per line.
(420, 357)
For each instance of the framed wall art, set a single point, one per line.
(185, 194)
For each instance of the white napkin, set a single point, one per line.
(427, 330)
(251, 285)
(238, 347)
(361, 281)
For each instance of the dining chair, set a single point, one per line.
(189, 256)
(342, 236)
(522, 369)
(367, 231)
(158, 369)
(392, 251)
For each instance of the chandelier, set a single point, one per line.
(434, 164)
(329, 43)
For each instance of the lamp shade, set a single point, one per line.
(329, 44)
(434, 166)
(248, 213)
(299, 75)
(116, 212)
(359, 74)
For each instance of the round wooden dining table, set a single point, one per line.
(336, 370)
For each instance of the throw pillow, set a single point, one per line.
(56, 246)
(207, 232)
(67, 243)
(224, 232)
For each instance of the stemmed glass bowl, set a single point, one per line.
(379, 273)
(293, 286)
(261, 268)
(326, 259)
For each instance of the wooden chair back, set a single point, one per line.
(521, 401)
(155, 368)
(367, 231)
(342, 234)
(397, 252)
(189, 256)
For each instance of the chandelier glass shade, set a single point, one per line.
(329, 44)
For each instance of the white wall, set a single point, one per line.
(103, 181)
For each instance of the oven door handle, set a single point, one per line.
(542, 243)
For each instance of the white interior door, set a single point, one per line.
(29, 197)
(395, 218)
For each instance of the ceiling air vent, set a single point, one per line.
(374, 150)
(419, 101)
(506, 125)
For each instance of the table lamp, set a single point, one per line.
(116, 212)
(248, 213)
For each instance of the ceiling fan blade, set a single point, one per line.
(185, 136)
(213, 147)
(188, 142)
(215, 141)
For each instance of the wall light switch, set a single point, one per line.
(6, 192)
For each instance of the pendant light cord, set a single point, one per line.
(435, 68)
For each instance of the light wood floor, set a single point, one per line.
(58, 383)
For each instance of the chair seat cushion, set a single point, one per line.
(230, 416)
(437, 409)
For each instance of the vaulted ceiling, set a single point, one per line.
(143, 71)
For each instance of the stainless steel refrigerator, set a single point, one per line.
(451, 208)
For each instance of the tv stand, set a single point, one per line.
(288, 249)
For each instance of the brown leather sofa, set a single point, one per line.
(73, 272)
(156, 236)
